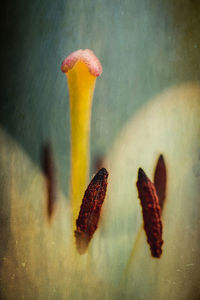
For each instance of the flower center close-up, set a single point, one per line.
(100, 151)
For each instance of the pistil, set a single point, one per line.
(81, 68)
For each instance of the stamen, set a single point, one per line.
(89, 214)
(49, 171)
(151, 213)
(160, 180)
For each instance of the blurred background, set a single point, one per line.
(144, 46)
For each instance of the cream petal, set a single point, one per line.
(169, 124)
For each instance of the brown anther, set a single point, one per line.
(89, 214)
(160, 180)
(49, 172)
(151, 213)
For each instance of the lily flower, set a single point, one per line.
(40, 259)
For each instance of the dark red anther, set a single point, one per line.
(151, 213)
(89, 214)
(49, 171)
(160, 180)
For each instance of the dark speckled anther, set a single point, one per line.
(151, 213)
(89, 215)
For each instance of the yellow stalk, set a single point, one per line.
(81, 68)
